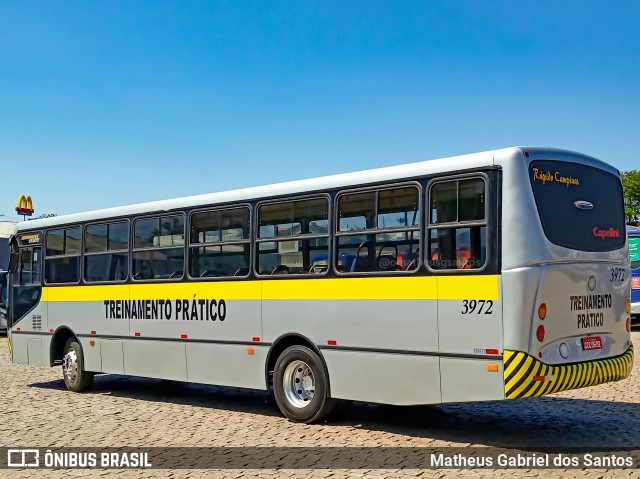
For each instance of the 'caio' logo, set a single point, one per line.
(609, 233)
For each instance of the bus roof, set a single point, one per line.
(411, 170)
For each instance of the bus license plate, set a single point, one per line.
(592, 342)
(635, 282)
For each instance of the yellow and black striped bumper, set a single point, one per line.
(525, 376)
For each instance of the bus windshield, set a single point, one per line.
(580, 206)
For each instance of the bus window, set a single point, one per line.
(378, 231)
(106, 249)
(62, 262)
(457, 225)
(584, 197)
(219, 243)
(158, 248)
(293, 237)
(28, 272)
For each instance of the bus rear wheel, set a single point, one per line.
(75, 377)
(301, 386)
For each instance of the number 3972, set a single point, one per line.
(473, 306)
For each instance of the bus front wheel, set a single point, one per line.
(75, 377)
(301, 385)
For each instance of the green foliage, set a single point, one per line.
(631, 188)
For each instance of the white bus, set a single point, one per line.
(496, 275)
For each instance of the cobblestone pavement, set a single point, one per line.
(37, 411)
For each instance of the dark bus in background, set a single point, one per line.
(634, 255)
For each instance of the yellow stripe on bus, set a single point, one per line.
(405, 288)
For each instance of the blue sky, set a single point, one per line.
(110, 103)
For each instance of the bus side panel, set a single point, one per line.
(386, 378)
(18, 348)
(470, 322)
(155, 359)
(34, 351)
(78, 309)
(389, 343)
(91, 354)
(112, 356)
(227, 364)
(520, 287)
(469, 314)
(471, 379)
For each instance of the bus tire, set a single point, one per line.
(75, 377)
(301, 385)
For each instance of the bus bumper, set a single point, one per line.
(525, 376)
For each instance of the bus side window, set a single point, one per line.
(457, 225)
(106, 252)
(219, 243)
(158, 248)
(62, 262)
(293, 237)
(379, 231)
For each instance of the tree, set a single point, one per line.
(631, 188)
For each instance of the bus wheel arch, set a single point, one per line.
(300, 379)
(280, 345)
(66, 350)
(58, 342)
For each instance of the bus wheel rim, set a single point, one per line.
(298, 384)
(70, 367)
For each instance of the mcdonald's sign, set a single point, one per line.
(25, 206)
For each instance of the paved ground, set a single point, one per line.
(38, 411)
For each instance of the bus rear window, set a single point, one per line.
(580, 207)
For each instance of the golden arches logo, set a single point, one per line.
(25, 205)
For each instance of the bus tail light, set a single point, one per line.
(183, 336)
(540, 333)
(542, 311)
(136, 334)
